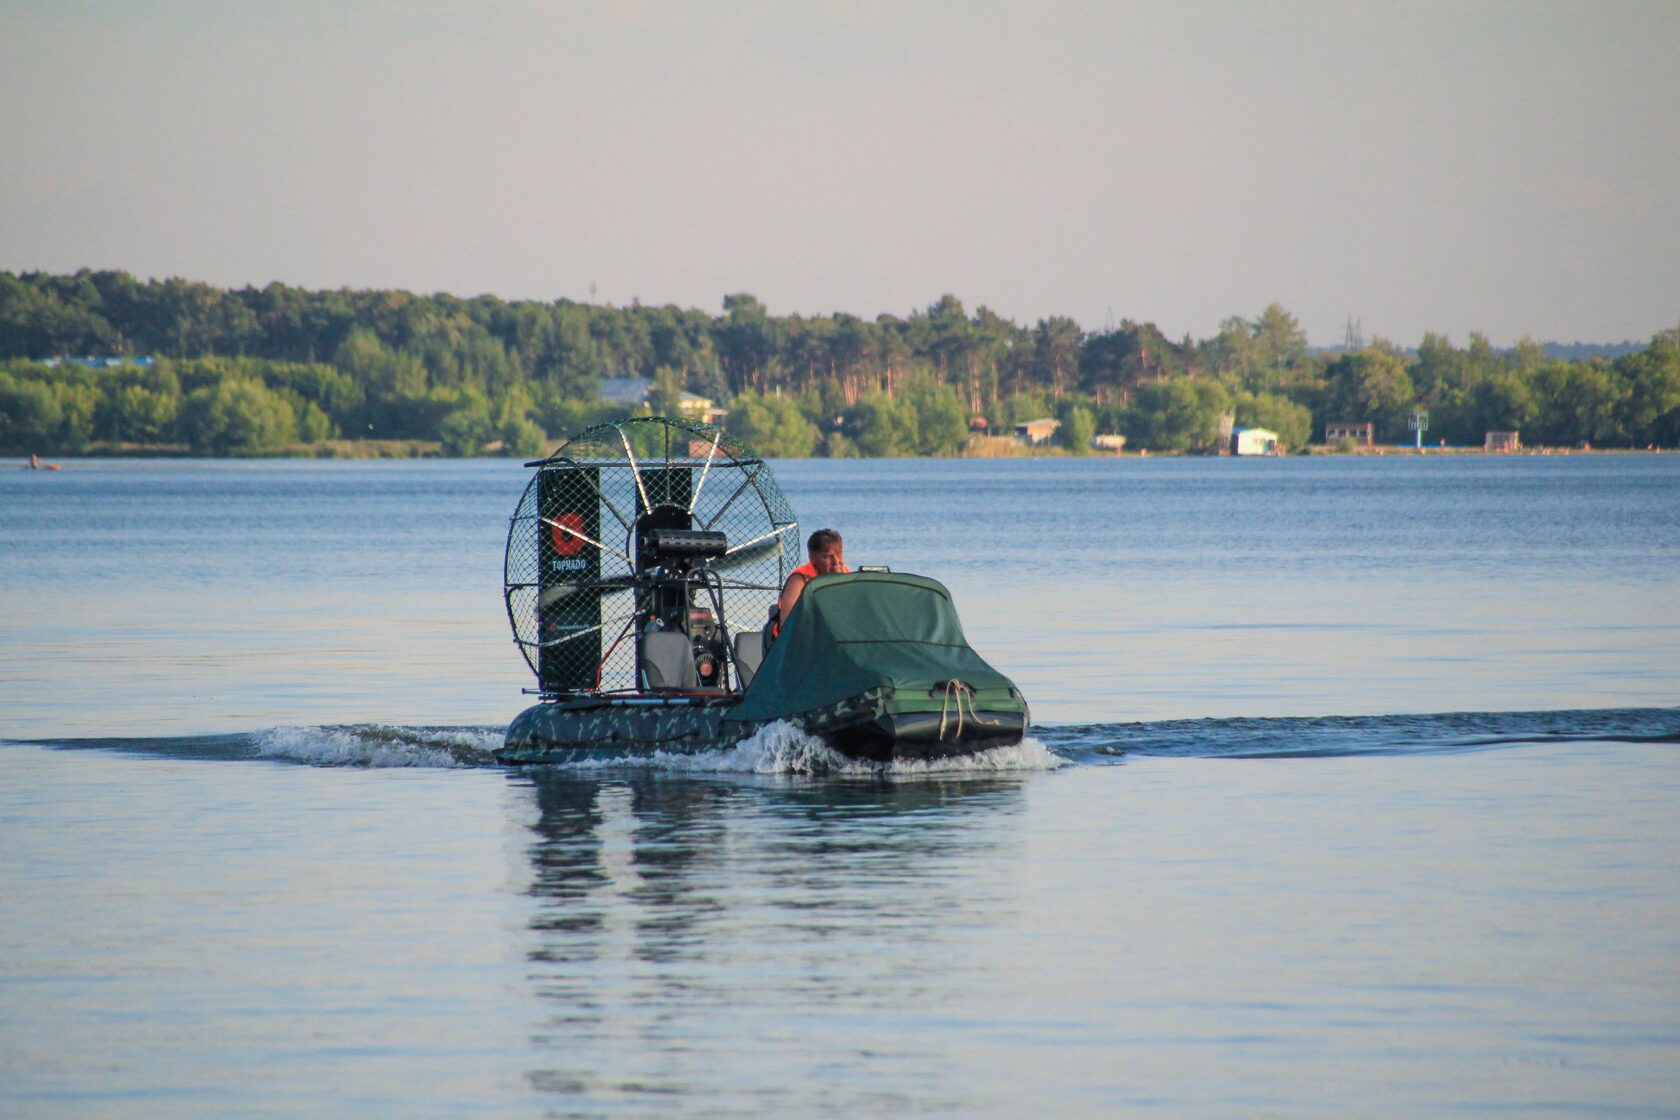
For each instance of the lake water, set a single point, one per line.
(1352, 793)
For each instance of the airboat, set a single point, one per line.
(643, 561)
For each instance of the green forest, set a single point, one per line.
(281, 370)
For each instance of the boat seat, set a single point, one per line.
(749, 655)
(667, 661)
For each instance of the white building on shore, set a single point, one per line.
(1255, 441)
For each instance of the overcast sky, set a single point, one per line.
(1507, 167)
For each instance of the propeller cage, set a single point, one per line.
(641, 525)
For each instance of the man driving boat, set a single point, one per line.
(828, 557)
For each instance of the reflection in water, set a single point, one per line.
(756, 943)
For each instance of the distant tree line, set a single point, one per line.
(249, 371)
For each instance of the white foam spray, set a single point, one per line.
(381, 745)
(783, 748)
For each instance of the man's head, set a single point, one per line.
(827, 551)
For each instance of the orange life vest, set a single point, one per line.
(809, 571)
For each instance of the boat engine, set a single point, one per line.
(708, 646)
(675, 565)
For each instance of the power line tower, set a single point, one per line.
(1354, 339)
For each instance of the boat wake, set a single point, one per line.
(781, 748)
(381, 745)
(1334, 736)
(371, 745)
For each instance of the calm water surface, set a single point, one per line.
(1353, 794)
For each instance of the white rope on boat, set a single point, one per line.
(953, 687)
(959, 690)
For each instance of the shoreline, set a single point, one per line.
(368, 450)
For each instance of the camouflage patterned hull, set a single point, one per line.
(577, 730)
(868, 726)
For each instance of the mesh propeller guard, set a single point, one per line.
(570, 576)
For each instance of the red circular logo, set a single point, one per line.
(564, 533)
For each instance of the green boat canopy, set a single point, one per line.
(888, 633)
